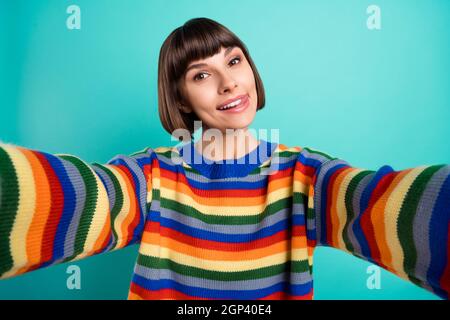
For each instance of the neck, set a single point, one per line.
(231, 144)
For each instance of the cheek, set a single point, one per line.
(202, 97)
(250, 79)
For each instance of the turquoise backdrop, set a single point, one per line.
(371, 97)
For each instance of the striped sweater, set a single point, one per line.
(223, 230)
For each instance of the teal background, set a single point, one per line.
(371, 97)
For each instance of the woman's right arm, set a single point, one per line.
(58, 208)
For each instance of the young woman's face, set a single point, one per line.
(210, 83)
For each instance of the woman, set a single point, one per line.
(243, 228)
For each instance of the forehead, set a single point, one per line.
(224, 51)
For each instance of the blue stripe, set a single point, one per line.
(368, 190)
(219, 185)
(364, 203)
(311, 234)
(307, 161)
(323, 199)
(147, 160)
(298, 219)
(217, 236)
(148, 284)
(301, 289)
(69, 201)
(439, 241)
(137, 232)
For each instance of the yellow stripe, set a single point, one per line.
(392, 212)
(25, 210)
(301, 187)
(100, 216)
(299, 254)
(340, 205)
(215, 265)
(124, 211)
(165, 149)
(157, 180)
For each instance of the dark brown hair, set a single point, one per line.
(198, 38)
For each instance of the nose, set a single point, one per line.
(227, 83)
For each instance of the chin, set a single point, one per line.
(241, 125)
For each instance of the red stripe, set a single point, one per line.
(162, 294)
(238, 193)
(104, 244)
(329, 226)
(311, 243)
(56, 209)
(366, 216)
(309, 171)
(175, 294)
(137, 215)
(445, 279)
(285, 296)
(155, 227)
(147, 168)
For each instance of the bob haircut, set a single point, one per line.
(198, 38)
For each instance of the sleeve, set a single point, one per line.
(58, 208)
(398, 220)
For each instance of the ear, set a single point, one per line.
(184, 108)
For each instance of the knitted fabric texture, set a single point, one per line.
(217, 230)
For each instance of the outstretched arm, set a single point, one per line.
(58, 208)
(398, 220)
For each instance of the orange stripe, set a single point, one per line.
(35, 235)
(134, 296)
(334, 218)
(129, 193)
(300, 176)
(298, 242)
(208, 254)
(310, 250)
(378, 215)
(181, 188)
(104, 234)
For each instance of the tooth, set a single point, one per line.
(235, 103)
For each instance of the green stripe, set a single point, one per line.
(9, 202)
(141, 152)
(153, 262)
(406, 220)
(349, 194)
(285, 153)
(118, 192)
(89, 207)
(226, 220)
(155, 197)
(319, 153)
(299, 198)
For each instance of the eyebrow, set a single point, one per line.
(200, 65)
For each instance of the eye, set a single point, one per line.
(236, 58)
(197, 76)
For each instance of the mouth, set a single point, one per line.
(237, 104)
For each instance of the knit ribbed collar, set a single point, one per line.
(239, 167)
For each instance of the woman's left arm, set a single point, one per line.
(398, 220)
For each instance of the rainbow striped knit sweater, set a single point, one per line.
(242, 230)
